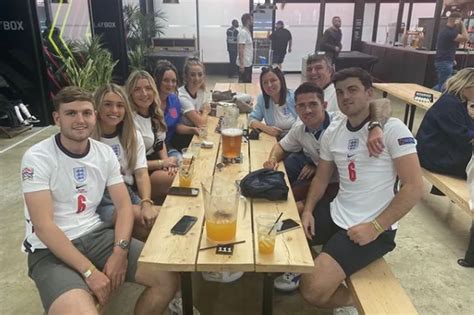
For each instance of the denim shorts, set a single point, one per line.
(106, 208)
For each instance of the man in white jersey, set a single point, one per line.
(359, 225)
(245, 49)
(72, 255)
(319, 70)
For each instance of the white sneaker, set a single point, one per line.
(176, 307)
(32, 119)
(223, 277)
(345, 310)
(288, 281)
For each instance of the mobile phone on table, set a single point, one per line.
(183, 225)
(288, 225)
(183, 191)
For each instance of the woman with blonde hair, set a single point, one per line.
(194, 100)
(149, 120)
(116, 128)
(445, 134)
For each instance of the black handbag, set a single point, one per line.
(264, 183)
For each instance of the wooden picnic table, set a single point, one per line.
(180, 253)
(406, 93)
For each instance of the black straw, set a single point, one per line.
(215, 246)
(273, 226)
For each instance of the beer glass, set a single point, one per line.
(231, 142)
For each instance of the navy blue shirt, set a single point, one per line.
(446, 48)
(444, 137)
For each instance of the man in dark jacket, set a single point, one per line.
(231, 34)
(281, 40)
(331, 42)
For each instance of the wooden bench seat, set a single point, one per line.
(454, 188)
(376, 291)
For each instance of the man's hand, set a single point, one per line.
(337, 49)
(271, 164)
(99, 284)
(308, 224)
(241, 69)
(289, 49)
(148, 215)
(362, 234)
(116, 268)
(307, 172)
(273, 131)
(375, 142)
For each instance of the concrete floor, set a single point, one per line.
(430, 239)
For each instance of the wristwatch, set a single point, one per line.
(123, 244)
(374, 124)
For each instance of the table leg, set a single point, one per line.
(407, 111)
(267, 308)
(187, 293)
(412, 117)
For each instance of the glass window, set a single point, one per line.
(181, 18)
(346, 12)
(215, 17)
(387, 22)
(368, 27)
(301, 19)
(421, 10)
(72, 19)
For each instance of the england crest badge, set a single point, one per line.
(80, 174)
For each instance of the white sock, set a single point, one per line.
(18, 114)
(24, 110)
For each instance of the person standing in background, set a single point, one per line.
(281, 40)
(448, 40)
(331, 42)
(245, 49)
(232, 34)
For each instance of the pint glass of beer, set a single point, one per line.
(231, 142)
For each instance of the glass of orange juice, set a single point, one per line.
(186, 173)
(266, 234)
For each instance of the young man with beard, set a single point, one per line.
(360, 224)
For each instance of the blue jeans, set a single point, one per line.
(444, 69)
(294, 163)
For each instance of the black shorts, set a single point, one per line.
(349, 255)
(278, 56)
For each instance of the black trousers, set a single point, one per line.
(246, 76)
(470, 249)
(232, 66)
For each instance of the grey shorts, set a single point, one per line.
(106, 208)
(53, 277)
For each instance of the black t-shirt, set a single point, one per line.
(446, 49)
(280, 39)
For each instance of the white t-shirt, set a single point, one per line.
(331, 98)
(301, 138)
(245, 38)
(189, 103)
(283, 117)
(152, 142)
(470, 180)
(77, 184)
(127, 172)
(366, 183)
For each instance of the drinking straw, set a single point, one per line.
(273, 226)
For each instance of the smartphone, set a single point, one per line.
(288, 225)
(183, 191)
(183, 225)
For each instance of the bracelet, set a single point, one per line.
(377, 226)
(86, 274)
(146, 200)
(160, 164)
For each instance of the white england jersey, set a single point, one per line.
(127, 172)
(367, 184)
(151, 141)
(189, 103)
(76, 182)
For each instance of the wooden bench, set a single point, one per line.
(376, 291)
(454, 188)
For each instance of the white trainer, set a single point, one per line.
(287, 282)
(345, 310)
(223, 277)
(176, 307)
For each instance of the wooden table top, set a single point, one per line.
(406, 92)
(164, 251)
